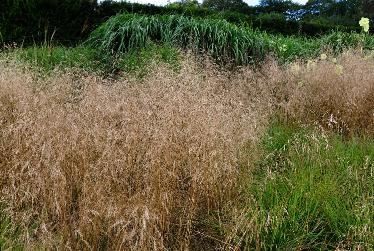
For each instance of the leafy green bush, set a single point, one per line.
(70, 21)
(274, 23)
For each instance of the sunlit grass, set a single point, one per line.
(310, 191)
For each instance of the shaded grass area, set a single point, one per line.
(146, 59)
(47, 59)
(310, 192)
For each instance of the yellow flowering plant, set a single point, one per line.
(365, 24)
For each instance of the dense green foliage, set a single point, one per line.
(312, 191)
(222, 40)
(222, 5)
(68, 21)
(114, 46)
(255, 17)
(316, 17)
(43, 20)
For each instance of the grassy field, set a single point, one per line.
(140, 139)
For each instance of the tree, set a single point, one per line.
(319, 7)
(37, 20)
(367, 7)
(184, 3)
(346, 8)
(349, 8)
(278, 6)
(220, 5)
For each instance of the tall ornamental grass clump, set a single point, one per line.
(336, 94)
(97, 164)
(222, 40)
(218, 38)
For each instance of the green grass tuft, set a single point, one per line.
(9, 234)
(142, 62)
(47, 59)
(312, 192)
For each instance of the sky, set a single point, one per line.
(163, 2)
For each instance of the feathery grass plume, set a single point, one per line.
(165, 164)
(344, 91)
(99, 164)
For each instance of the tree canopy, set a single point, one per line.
(219, 5)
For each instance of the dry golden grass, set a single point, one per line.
(98, 164)
(338, 96)
(88, 163)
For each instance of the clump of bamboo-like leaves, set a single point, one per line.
(222, 40)
(218, 38)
